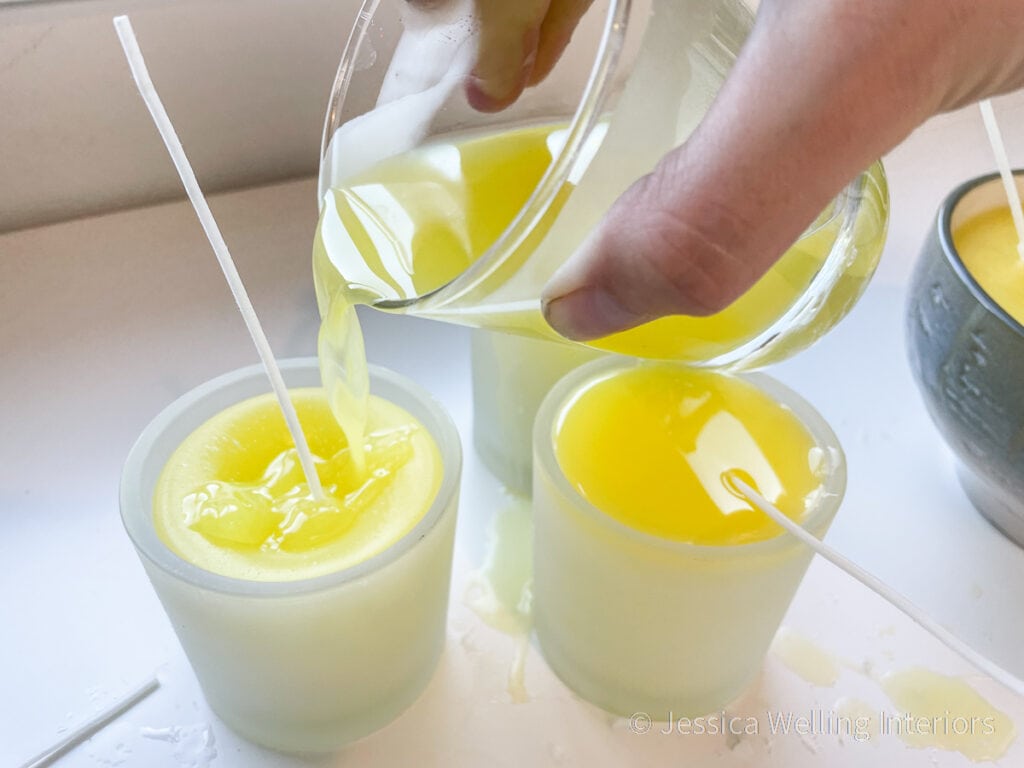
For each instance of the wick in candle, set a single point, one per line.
(879, 587)
(170, 137)
(995, 138)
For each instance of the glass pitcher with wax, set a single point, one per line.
(433, 208)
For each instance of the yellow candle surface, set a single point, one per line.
(652, 447)
(987, 244)
(416, 221)
(232, 498)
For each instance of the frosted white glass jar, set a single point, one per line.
(640, 624)
(313, 664)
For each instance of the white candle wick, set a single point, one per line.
(995, 138)
(879, 587)
(220, 248)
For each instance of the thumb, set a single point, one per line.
(801, 114)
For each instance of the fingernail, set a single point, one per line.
(478, 97)
(587, 314)
(492, 91)
(481, 97)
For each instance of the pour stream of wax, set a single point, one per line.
(188, 178)
(995, 138)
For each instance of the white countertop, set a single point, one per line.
(103, 321)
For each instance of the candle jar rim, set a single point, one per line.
(944, 220)
(816, 520)
(201, 403)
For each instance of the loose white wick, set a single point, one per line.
(220, 248)
(995, 138)
(90, 728)
(943, 635)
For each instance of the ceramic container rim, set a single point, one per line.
(816, 521)
(137, 506)
(946, 212)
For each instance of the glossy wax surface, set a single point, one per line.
(651, 447)
(987, 245)
(232, 498)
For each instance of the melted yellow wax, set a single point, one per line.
(652, 446)
(416, 221)
(233, 499)
(501, 592)
(945, 712)
(987, 245)
(807, 659)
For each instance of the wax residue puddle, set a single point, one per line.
(945, 712)
(811, 662)
(863, 719)
(932, 710)
(194, 745)
(516, 685)
(500, 592)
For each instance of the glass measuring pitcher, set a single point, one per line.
(433, 208)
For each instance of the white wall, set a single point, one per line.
(246, 82)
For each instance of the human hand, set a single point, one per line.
(821, 89)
